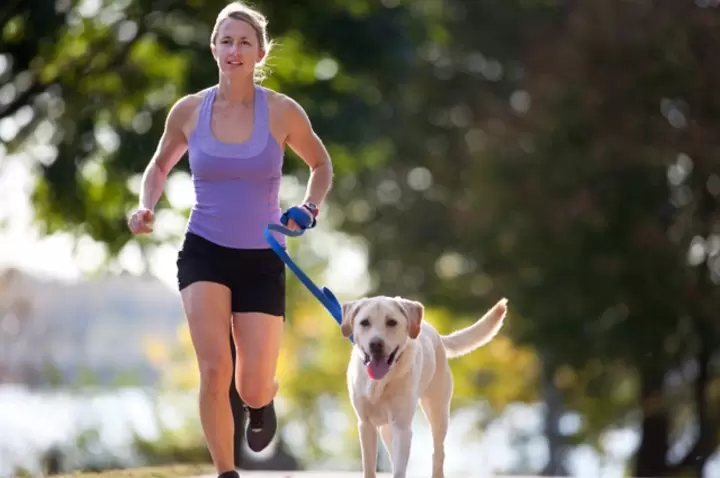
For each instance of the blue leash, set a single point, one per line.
(324, 295)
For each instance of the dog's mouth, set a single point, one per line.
(379, 365)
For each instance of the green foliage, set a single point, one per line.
(52, 374)
(173, 447)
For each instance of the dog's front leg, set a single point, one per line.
(401, 440)
(368, 448)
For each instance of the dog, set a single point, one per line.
(398, 360)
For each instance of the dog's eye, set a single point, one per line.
(391, 322)
(365, 323)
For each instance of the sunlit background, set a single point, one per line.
(562, 154)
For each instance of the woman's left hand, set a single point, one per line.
(310, 210)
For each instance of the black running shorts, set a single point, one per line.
(255, 277)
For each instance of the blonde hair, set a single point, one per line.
(258, 21)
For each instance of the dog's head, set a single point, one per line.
(381, 327)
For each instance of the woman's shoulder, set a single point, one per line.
(193, 100)
(187, 105)
(273, 96)
(183, 112)
(281, 102)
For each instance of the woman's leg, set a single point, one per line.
(207, 307)
(258, 337)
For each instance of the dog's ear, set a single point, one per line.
(348, 318)
(414, 311)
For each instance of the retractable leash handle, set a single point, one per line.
(302, 219)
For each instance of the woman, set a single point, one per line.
(235, 133)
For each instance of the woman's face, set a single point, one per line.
(237, 48)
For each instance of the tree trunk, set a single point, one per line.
(651, 458)
(707, 440)
(553, 413)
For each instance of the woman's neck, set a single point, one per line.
(237, 91)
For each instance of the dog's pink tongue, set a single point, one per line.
(377, 369)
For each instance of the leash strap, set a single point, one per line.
(324, 295)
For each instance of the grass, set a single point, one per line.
(171, 471)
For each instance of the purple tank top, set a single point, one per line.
(236, 185)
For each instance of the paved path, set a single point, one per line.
(301, 474)
(317, 474)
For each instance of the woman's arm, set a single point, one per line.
(171, 148)
(309, 147)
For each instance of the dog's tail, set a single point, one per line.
(466, 340)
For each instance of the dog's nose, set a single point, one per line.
(377, 347)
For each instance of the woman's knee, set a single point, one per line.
(257, 391)
(215, 374)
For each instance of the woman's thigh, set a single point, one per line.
(207, 307)
(258, 337)
(258, 306)
(207, 299)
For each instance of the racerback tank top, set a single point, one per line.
(236, 185)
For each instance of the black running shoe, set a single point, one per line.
(229, 474)
(262, 425)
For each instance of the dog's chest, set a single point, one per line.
(377, 401)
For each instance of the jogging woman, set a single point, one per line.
(235, 133)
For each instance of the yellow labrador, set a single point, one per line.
(400, 360)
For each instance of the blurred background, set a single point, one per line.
(564, 154)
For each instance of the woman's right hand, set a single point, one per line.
(141, 220)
